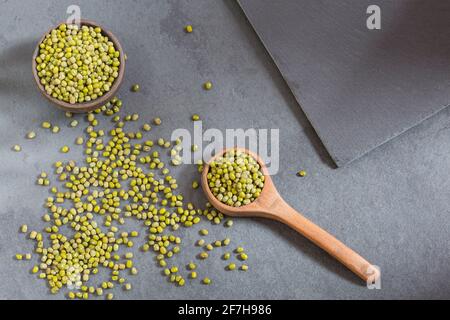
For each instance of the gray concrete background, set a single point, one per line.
(392, 205)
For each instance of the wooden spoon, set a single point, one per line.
(270, 205)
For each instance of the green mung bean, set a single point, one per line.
(207, 85)
(135, 87)
(65, 149)
(79, 140)
(46, 125)
(203, 255)
(243, 256)
(231, 266)
(301, 173)
(17, 148)
(31, 135)
(192, 266)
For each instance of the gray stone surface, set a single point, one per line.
(392, 206)
(359, 88)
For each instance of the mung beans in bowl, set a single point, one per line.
(78, 68)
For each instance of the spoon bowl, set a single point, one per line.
(271, 205)
(253, 209)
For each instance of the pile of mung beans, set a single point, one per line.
(77, 64)
(235, 178)
(123, 176)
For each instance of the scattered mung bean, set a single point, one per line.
(65, 149)
(17, 148)
(31, 135)
(135, 87)
(46, 125)
(207, 85)
(231, 266)
(79, 140)
(301, 173)
(192, 266)
(113, 187)
(243, 256)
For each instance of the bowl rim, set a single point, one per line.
(90, 105)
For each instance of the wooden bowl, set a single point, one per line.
(90, 105)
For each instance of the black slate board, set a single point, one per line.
(358, 87)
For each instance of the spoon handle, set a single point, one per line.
(352, 260)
